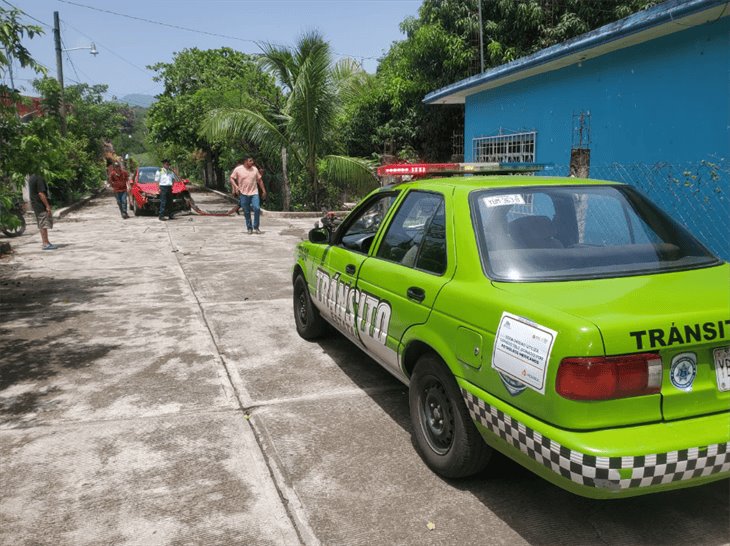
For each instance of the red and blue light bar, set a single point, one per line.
(425, 169)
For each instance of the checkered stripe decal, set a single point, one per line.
(600, 472)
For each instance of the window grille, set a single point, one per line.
(457, 144)
(515, 147)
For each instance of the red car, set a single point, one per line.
(145, 192)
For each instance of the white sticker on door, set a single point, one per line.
(522, 350)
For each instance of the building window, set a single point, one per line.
(510, 148)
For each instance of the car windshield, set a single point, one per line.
(574, 232)
(147, 174)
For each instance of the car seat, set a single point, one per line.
(533, 232)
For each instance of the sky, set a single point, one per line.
(140, 33)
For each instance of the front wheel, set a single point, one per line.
(445, 435)
(310, 324)
(135, 207)
(18, 229)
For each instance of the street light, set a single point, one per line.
(92, 47)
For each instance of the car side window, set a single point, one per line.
(411, 233)
(433, 249)
(358, 235)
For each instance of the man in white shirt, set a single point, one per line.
(246, 182)
(164, 177)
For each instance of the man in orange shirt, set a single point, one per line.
(246, 182)
(118, 180)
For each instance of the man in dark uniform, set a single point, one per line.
(38, 194)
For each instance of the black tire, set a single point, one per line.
(136, 208)
(445, 435)
(187, 201)
(18, 230)
(310, 324)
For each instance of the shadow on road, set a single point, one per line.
(543, 513)
(39, 347)
(19, 294)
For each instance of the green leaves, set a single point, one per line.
(71, 163)
(441, 47)
(197, 83)
(226, 124)
(351, 173)
(306, 122)
(12, 32)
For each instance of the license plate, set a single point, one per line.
(722, 368)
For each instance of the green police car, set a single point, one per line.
(569, 324)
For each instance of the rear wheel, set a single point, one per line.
(446, 437)
(310, 324)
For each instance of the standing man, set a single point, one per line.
(119, 181)
(38, 194)
(164, 177)
(246, 182)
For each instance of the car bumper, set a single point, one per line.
(153, 202)
(610, 463)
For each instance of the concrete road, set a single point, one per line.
(153, 390)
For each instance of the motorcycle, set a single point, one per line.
(12, 220)
(330, 221)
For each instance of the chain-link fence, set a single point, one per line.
(697, 195)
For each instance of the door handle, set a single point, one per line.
(350, 269)
(415, 293)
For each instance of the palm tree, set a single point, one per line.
(314, 89)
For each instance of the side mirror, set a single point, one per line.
(319, 235)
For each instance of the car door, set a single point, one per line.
(335, 294)
(398, 285)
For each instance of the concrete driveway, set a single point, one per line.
(153, 390)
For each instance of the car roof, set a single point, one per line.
(497, 182)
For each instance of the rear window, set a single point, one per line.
(573, 232)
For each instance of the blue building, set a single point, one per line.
(645, 100)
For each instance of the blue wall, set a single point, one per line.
(664, 100)
(660, 111)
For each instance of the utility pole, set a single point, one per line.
(59, 68)
(12, 82)
(481, 37)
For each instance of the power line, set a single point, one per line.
(107, 48)
(160, 23)
(187, 29)
(27, 15)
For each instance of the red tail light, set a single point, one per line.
(605, 378)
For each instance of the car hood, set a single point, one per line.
(153, 188)
(624, 307)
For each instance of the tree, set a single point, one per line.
(132, 135)
(72, 163)
(304, 127)
(515, 29)
(196, 82)
(442, 47)
(12, 33)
